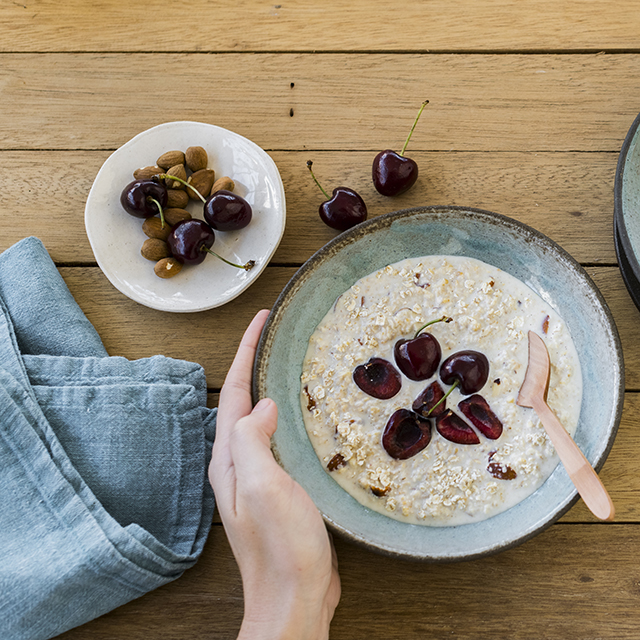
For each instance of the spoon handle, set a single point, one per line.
(582, 474)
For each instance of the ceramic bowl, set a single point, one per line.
(499, 241)
(627, 211)
(116, 237)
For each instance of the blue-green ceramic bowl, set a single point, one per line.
(626, 206)
(497, 240)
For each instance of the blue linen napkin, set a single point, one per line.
(103, 487)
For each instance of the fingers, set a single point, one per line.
(235, 396)
(250, 442)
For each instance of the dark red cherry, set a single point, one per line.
(418, 358)
(378, 378)
(140, 198)
(227, 211)
(453, 428)
(406, 434)
(343, 210)
(476, 409)
(468, 369)
(189, 241)
(392, 172)
(425, 403)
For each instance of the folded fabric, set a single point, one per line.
(103, 487)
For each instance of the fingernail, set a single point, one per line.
(262, 404)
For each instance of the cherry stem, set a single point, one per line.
(309, 163)
(443, 319)
(424, 104)
(159, 209)
(444, 397)
(249, 265)
(163, 176)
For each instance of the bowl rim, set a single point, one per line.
(385, 220)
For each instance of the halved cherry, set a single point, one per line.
(406, 434)
(453, 428)
(378, 378)
(476, 409)
(430, 403)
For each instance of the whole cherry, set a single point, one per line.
(227, 211)
(344, 209)
(393, 173)
(405, 434)
(191, 240)
(467, 370)
(419, 357)
(144, 198)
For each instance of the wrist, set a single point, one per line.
(283, 615)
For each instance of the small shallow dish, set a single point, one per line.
(499, 241)
(116, 237)
(626, 205)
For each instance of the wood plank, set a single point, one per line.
(211, 337)
(590, 570)
(241, 25)
(567, 196)
(338, 101)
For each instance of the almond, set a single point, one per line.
(202, 181)
(154, 249)
(167, 268)
(196, 158)
(173, 216)
(152, 228)
(226, 184)
(146, 173)
(177, 199)
(170, 159)
(177, 171)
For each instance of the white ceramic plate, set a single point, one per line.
(116, 237)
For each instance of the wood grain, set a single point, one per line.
(243, 25)
(567, 196)
(592, 572)
(338, 101)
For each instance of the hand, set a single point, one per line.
(284, 552)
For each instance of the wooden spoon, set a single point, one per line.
(533, 394)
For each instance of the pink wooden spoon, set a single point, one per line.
(533, 394)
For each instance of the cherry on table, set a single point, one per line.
(476, 409)
(227, 211)
(344, 209)
(467, 370)
(393, 173)
(378, 378)
(453, 428)
(406, 434)
(144, 198)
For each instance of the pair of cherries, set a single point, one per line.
(409, 431)
(190, 240)
(392, 173)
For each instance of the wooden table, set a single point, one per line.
(530, 103)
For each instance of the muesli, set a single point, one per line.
(462, 476)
